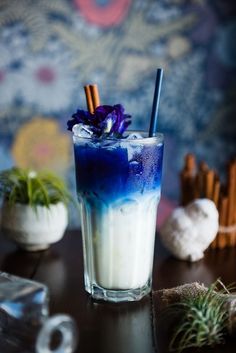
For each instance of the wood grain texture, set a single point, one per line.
(117, 328)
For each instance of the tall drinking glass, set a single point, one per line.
(118, 186)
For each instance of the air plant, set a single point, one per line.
(205, 318)
(32, 188)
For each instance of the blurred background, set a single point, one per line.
(50, 48)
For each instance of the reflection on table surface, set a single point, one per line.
(116, 328)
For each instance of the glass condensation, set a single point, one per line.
(118, 186)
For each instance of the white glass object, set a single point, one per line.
(24, 321)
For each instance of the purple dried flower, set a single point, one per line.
(106, 121)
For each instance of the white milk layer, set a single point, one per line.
(122, 240)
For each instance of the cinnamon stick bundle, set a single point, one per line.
(92, 97)
(203, 182)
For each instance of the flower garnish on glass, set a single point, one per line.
(106, 121)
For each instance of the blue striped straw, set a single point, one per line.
(155, 105)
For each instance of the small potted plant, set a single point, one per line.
(34, 210)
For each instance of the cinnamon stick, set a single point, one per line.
(95, 96)
(215, 199)
(234, 207)
(203, 168)
(231, 204)
(197, 186)
(92, 97)
(222, 239)
(185, 185)
(187, 179)
(190, 163)
(209, 184)
(216, 192)
(89, 99)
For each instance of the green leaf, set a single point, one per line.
(19, 185)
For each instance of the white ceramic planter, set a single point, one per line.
(32, 230)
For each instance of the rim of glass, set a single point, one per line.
(159, 137)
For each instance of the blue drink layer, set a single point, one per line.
(110, 172)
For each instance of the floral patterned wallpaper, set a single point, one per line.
(50, 49)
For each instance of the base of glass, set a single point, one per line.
(119, 295)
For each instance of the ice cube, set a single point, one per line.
(136, 167)
(109, 144)
(81, 130)
(134, 136)
(133, 147)
(133, 151)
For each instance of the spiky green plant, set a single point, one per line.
(204, 319)
(27, 187)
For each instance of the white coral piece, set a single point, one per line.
(189, 230)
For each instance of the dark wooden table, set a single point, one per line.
(114, 328)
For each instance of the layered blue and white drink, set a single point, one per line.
(118, 186)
